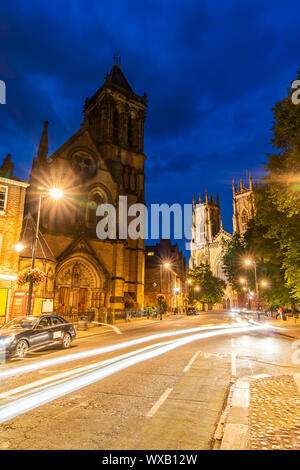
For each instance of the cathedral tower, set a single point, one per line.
(206, 225)
(243, 205)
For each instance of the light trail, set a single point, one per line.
(95, 352)
(52, 392)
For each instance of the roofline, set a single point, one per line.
(23, 184)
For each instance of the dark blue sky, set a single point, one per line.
(212, 72)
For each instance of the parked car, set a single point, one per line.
(192, 311)
(23, 334)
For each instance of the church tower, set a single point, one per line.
(206, 225)
(102, 161)
(243, 205)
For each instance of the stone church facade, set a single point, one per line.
(208, 234)
(103, 160)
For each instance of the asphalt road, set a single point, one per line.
(158, 393)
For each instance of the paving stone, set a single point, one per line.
(274, 414)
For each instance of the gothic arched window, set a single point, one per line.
(130, 132)
(116, 127)
(244, 219)
(94, 200)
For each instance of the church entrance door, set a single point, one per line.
(82, 299)
(64, 300)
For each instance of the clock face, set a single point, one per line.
(84, 164)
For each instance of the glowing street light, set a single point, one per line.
(264, 283)
(55, 193)
(248, 262)
(19, 247)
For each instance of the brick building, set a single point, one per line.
(165, 272)
(12, 198)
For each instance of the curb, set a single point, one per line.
(235, 428)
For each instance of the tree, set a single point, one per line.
(278, 201)
(211, 288)
(273, 235)
(234, 253)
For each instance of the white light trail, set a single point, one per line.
(53, 392)
(95, 352)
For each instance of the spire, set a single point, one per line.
(7, 168)
(200, 198)
(212, 198)
(250, 182)
(218, 200)
(242, 184)
(194, 200)
(233, 187)
(116, 75)
(206, 196)
(43, 147)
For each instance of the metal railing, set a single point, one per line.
(128, 314)
(75, 317)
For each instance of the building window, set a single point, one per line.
(116, 127)
(3, 198)
(244, 220)
(151, 253)
(95, 199)
(130, 132)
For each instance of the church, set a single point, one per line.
(103, 160)
(209, 236)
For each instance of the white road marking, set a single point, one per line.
(159, 403)
(187, 367)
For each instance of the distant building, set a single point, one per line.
(12, 198)
(167, 280)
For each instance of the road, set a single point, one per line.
(142, 389)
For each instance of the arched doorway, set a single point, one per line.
(79, 287)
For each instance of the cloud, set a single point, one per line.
(212, 72)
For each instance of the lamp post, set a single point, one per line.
(56, 194)
(249, 262)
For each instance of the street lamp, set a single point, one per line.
(19, 247)
(248, 262)
(56, 194)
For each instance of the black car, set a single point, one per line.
(23, 334)
(192, 311)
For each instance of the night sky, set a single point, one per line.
(212, 72)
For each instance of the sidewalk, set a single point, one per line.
(264, 414)
(122, 326)
(291, 328)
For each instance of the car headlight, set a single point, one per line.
(7, 340)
